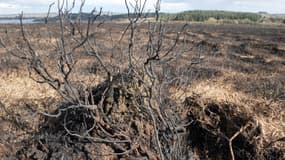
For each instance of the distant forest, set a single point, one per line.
(202, 16)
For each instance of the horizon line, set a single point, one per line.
(118, 13)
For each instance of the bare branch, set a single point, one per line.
(48, 13)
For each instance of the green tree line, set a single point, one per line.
(201, 16)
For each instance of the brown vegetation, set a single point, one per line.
(220, 94)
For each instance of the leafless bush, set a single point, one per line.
(130, 100)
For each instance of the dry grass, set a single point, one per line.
(247, 76)
(271, 118)
(21, 88)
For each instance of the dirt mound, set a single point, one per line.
(208, 130)
(224, 131)
(115, 127)
(63, 136)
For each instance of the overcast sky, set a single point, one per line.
(41, 6)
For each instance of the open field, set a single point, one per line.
(237, 71)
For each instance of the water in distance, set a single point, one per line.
(17, 21)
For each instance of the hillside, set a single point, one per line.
(193, 15)
(224, 17)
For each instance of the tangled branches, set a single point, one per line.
(129, 107)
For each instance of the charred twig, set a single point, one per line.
(233, 137)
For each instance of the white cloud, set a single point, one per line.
(7, 6)
(273, 6)
(175, 7)
(105, 2)
(261, 5)
(118, 5)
